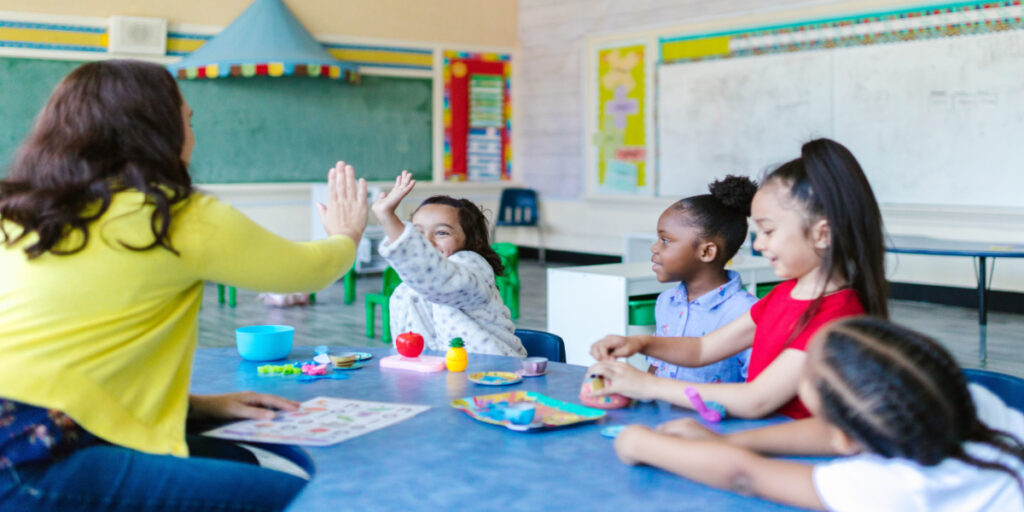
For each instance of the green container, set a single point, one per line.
(641, 311)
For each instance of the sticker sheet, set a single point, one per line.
(321, 421)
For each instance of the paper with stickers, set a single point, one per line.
(321, 421)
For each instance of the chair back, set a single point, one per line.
(391, 281)
(509, 254)
(518, 207)
(1007, 387)
(542, 344)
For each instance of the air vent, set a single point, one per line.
(146, 36)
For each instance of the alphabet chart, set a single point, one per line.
(321, 421)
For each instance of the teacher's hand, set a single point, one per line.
(240, 405)
(345, 212)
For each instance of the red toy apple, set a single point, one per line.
(409, 344)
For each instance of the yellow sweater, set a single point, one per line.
(107, 334)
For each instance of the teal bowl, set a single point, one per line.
(264, 342)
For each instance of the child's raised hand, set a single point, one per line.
(388, 202)
(624, 379)
(612, 347)
(689, 428)
(345, 212)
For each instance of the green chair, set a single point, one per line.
(349, 281)
(391, 281)
(508, 283)
(233, 295)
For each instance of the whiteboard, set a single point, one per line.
(933, 122)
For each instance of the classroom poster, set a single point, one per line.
(477, 117)
(620, 141)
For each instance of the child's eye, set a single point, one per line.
(441, 233)
(664, 241)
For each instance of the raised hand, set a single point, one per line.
(385, 205)
(345, 212)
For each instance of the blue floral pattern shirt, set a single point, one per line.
(29, 433)
(676, 315)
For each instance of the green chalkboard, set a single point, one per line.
(265, 129)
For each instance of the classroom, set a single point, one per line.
(516, 254)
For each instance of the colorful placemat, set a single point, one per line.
(494, 378)
(550, 413)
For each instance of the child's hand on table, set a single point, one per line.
(628, 443)
(689, 428)
(624, 379)
(240, 405)
(612, 347)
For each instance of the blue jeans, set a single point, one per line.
(216, 477)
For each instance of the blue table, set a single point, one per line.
(980, 251)
(444, 460)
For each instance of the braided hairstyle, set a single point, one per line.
(474, 225)
(900, 394)
(828, 182)
(722, 214)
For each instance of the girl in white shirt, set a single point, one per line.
(917, 436)
(447, 268)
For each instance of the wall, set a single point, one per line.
(552, 140)
(473, 22)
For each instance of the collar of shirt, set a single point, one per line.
(712, 298)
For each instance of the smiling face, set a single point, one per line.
(679, 251)
(794, 244)
(439, 223)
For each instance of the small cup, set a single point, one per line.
(520, 413)
(535, 365)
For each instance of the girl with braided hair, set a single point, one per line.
(917, 435)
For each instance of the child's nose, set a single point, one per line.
(758, 242)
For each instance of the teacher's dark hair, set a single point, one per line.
(109, 126)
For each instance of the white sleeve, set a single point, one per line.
(866, 483)
(994, 413)
(461, 281)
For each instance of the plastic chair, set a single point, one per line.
(233, 295)
(508, 284)
(518, 207)
(349, 282)
(1007, 387)
(542, 344)
(391, 281)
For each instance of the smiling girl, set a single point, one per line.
(447, 269)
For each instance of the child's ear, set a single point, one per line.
(707, 251)
(821, 234)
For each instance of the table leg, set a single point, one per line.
(982, 309)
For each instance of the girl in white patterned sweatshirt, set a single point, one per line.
(447, 268)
